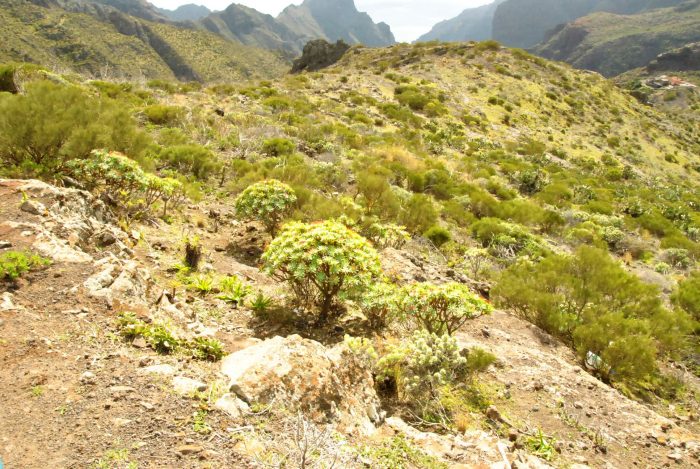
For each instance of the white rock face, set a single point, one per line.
(119, 280)
(62, 221)
(326, 384)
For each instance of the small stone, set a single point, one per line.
(675, 456)
(187, 386)
(232, 405)
(145, 361)
(538, 386)
(189, 449)
(139, 342)
(106, 238)
(35, 208)
(88, 378)
(120, 422)
(493, 414)
(163, 369)
(513, 434)
(147, 405)
(5, 244)
(121, 389)
(578, 405)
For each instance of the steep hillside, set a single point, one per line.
(248, 26)
(102, 41)
(189, 12)
(525, 23)
(423, 256)
(612, 44)
(297, 25)
(473, 24)
(333, 20)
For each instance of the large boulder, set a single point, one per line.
(319, 54)
(329, 385)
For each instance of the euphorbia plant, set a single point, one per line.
(440, 309)
(267, 201)
(322, 262)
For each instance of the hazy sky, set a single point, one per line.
(408, 18)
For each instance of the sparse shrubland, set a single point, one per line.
(392, 187)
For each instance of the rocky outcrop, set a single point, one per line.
(65, 225)
(685, 58)
(189, 12)
(319, 54)
(333, 20)
(327, 384)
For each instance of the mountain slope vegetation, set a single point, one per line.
(408, 258)
(612, 44)
(102, 41)
(525, 23)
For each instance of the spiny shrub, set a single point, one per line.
(385, 235)
(267, 201)
(322, 262)
(120, 180)
(440, 309)
(49, 125)
(422, 365)
(13, 264)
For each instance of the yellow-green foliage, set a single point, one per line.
(50, 124)
(322, 262)
(14, 264)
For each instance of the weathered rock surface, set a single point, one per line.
(319, 54)
(61, 222)
(327, 384)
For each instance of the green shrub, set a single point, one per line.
(267, 201)
(278, 146)
(120, 180)
(51, 124)
(233, 290)
(322, 262)
(161, 114)
(531, 181)
(588, 300)
(387, 235)
(164, 341)
(376, 193)
(379, 304)
(423, 364)
(14, 264)
(438, 235)
(193, 159)
(440, 309)
(687, 296)
(418, 213)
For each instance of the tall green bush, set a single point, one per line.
(267, 201)
(440, 309)
(322, 262)
(51, 124)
